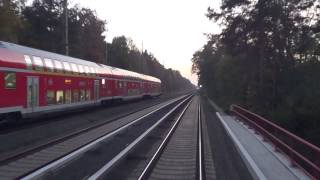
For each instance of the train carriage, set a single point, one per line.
(34, 81)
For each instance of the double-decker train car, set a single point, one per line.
(33, 82)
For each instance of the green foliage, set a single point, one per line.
(45, 30)
(10, 22)
(267, 59)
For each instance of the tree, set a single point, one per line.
(124, 54)
(44, 25)
(262, 59)
(119, 52)
(10, 19)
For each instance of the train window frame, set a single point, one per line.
(87, 70)
(58, 93)
(75, 96)
(81, 69)
(58, 65)
(48, 64)
(68, 96)
(14, 80)
(28, 61)
(92, 71)
(66, 67)
(74, 68)
(38, 63)
(84, 95)
(105, 85)
(88, 95)
(53, 100)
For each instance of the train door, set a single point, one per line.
(32, 93)
(96, 90)
(121, 88)
(141, 88)
(145, 88)
(125, 88)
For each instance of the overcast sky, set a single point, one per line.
(170, 29)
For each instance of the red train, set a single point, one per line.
(33, 81)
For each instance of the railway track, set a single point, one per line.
(25, 137)
(164, 162)
(180, 155)
(22, 124)
(41, 161)
(175, 150)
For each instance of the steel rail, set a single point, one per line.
(200, 158)
(156, 155)
(63, 160)
(108, 166)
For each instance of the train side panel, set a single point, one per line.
(28, 84)
(13, 91)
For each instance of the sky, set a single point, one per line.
(172, 30)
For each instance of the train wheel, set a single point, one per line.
(13, 117)
(2, 118)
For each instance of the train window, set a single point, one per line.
(68, 97)
(75, 95)
(81, 70)
(10, 80)
(49, 65)
(50, 97)
(59, 97)
(119, 84)
(82, 95)
(88, 94)
(66, 67)
(74, 68)
(87, 70)
(38, 63)
(92, 71)
(58, 65)
(28, 61)
(104, 83)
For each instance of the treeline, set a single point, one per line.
(42, 25)
(123, 53)
(267, 59)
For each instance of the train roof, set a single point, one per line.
(102, 69)
(44, 54)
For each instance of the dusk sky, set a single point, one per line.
(170, 29)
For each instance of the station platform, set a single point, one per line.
(259, 156)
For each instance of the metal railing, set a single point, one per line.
(300, 152)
